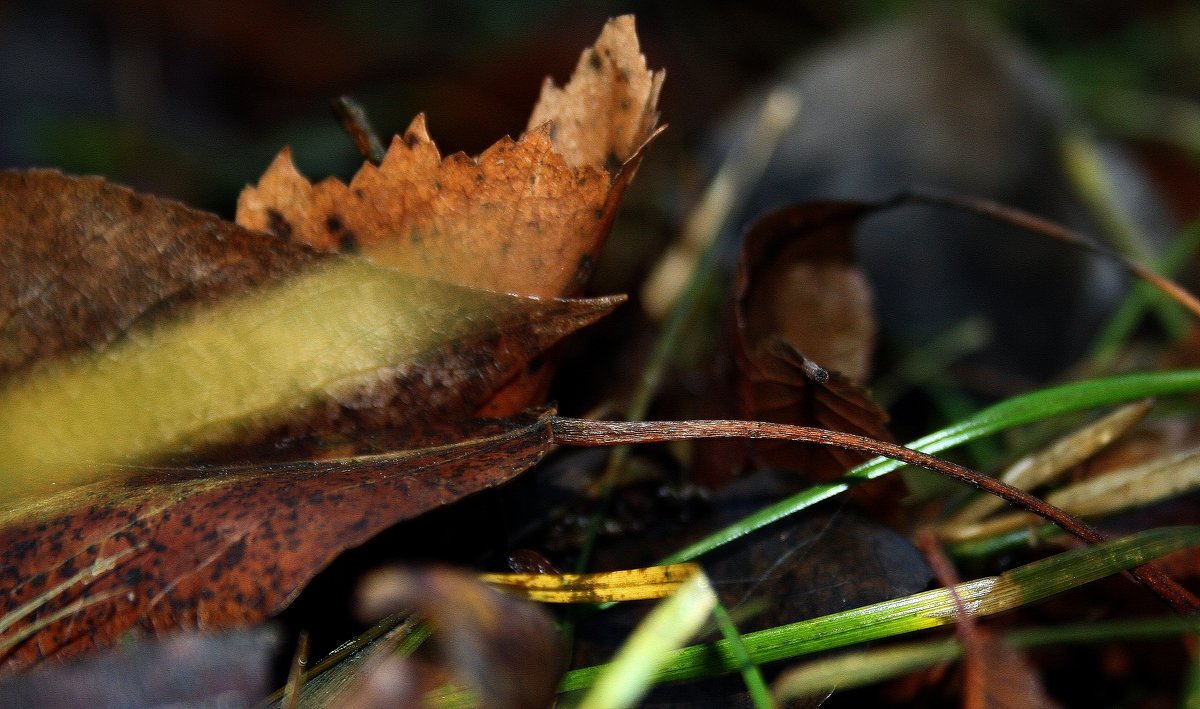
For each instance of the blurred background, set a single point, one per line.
(192, 100)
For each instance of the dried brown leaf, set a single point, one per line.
(609, 109)
(132, 334)
(802, 311)
(85, 260)
(526, 216)
(1005, 679)
(216, 547)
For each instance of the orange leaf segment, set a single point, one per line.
(526, 216)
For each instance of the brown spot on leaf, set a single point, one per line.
(277, 225)
(612, 164)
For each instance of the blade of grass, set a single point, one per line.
(870, 666)
(756, 686)
(625, 585)
(1120, 326)
(981, 597)
(1028, 408)
(340, 668)
(990, 546)
(1046, 464)
(627, 678)
(607, 433)
(1104, 495)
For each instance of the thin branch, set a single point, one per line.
(1030, 222)
(581, 432)
(354, 121)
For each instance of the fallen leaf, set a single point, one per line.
(187, 670)
(527, 216)
(85, 260)
(804, 333)
(797, 281)
(609, 109)
(802, 337)
(503, 651)
(217, 547)
(129, 310)
(338, 342)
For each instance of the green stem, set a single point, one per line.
(751, 675)
(987, 596)
(1131, 311)
(1024, 409)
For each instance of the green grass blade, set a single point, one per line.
(1131, 311)
(1028, 408)
(870, 666)
(980, 597)
(756, 686)
(862, 668)
(622, 682)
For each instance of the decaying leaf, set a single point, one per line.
(134, 327)
(797, 281)
(85, 260)
(804, 332)
(345, 342)
(216, 547)
(526, 216)
(504, 652)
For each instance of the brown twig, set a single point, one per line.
(354, 121)
(930, 545)
(580, 432)
(1029, 222)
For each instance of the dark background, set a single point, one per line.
(191, 100)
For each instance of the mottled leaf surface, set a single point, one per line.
(526, 216)
(217, 547)
(85, 260)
